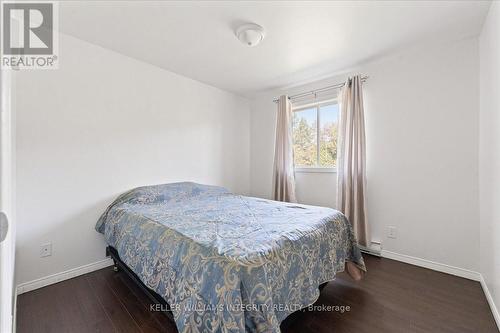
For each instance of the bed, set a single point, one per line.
(226, 262)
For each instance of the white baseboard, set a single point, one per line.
(457, 271)
(493, 307)
(435, 266)
(58, 277)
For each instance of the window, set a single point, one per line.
(315, 135)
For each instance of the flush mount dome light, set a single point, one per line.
(250, 34)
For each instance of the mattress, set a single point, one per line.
(226, 262)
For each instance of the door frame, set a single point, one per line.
(7, 246)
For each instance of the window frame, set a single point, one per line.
(317, 168)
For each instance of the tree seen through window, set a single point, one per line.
(315, 136)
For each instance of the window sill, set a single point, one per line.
(316, 170)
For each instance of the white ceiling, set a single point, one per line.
(303, 39)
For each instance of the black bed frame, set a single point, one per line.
(153, 296)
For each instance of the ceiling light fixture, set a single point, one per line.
(250, 34)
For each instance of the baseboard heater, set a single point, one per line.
(375, 249)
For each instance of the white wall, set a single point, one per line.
(421, 110)
(489, 153)
(104, 123)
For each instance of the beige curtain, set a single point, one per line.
(283, 173)
(351, 160)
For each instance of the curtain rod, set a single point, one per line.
(313, 92)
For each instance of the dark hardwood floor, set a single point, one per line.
(393, 297)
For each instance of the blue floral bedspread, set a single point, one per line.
(226, 262)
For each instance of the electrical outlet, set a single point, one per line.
(392, 232)
(46, 250)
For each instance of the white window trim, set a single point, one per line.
(317, 105)
(315, 170)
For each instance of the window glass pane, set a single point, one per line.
(304, 137)
(328, 135)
